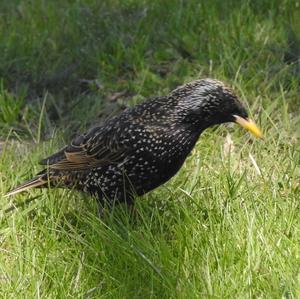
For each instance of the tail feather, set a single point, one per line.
(38, 181)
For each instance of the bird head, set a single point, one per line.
(209, 102)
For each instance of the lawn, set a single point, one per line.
(227, 225)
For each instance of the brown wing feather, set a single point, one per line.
(96, 148)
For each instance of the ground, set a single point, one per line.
(228, 225)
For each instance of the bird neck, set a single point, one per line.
(196, 123)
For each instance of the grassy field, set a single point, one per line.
(227, 225)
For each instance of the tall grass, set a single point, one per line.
(227, 225)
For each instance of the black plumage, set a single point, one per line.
(144, 146)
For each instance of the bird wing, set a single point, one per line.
(100, 146)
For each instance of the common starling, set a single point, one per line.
(143, 147)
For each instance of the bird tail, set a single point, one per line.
(37, 181)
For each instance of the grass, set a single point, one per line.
(227, 225)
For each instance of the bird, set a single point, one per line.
(144, 146)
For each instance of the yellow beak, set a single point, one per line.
(249, 125)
